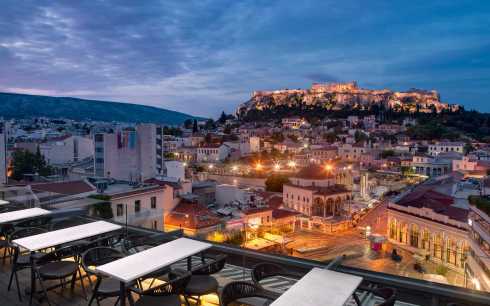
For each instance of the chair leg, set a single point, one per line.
(44, 290)
(81, 283)
(11, 277)
(94, 292)
(18, 287)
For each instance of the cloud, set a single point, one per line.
(202, 56)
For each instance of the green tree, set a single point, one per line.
(24, 162)
(275, 182)
(188, 123)
(195, 129)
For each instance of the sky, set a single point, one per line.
(202, 57)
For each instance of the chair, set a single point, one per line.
(54, 266)
(202, 282)
(167, 294)
(5, 231)
(262, 271)
(387, 294)
(39, 222)
(65, 223)
(21, 261)
(105, 287)
(235, 291)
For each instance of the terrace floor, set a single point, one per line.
(66, 297)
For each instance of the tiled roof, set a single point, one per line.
(331, 190)
(191, 215)
(283, 213)
(66, 188)
(425, 196)
(136, 192)
(257, 210)
(314, 172)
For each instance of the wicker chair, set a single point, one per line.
(167, 294)
(40, 222)
(235, 291)
(202, 282)
(387, 294)
(105, 287)
(5, 231)
(65, 223)
(262, 271)
(21, 261)
(52, 266)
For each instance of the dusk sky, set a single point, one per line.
(202, 57)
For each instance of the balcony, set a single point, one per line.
(239, 263)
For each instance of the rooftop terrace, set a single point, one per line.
(239, 263)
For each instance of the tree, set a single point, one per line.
(360, 136)
(275, 182)
(222, 118)
(194, 126)
(188, 123)
(24, 162)
(209, 124)
(387, 153)
(468, 147)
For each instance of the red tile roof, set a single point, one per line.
(191, 215)
(66, 188)
(257, 210)
(313, 172)
(283, 213)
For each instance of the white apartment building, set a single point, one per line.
(3, 154)
(443, 147)
(293, 122)
(478, 261)
(142, 207)
(67, 149)
(130, 154)
(213, 153)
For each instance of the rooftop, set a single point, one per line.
(313, 172)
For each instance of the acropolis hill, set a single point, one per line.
(337, 95)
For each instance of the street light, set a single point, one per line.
(328, 167)
(258, 166)
(184, 164)
(234, 168)
(291, 164)
(277, 167)
(211, 166)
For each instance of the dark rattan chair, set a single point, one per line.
(167, 294)
(263, 271)
(105, 287)
(53, 266)
(202, 282)
(387, 294)
(5, 231)
(21, 261)
(41, 222)
(235, 291)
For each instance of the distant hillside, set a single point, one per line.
(27, 106)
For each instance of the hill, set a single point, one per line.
(14, 105)
(335, 96)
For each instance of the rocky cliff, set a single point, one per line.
(338, 95)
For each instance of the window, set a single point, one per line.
(119, 210)
(153, 202)
(137, 206)
(268, 220)
(154, 225)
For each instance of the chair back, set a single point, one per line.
(388, 294)
(99, 256)
(265, 270)
(26, 232)
(176, 284)
(35, 222)
(212, 267)
(59, 254)
(65, 223)
(239, 290)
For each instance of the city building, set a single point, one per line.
(431, 165)
(478, 262)
(431, 224)
(66, 149)
(129, 154)
(213, 153)
(441, 147)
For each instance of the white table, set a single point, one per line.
(320, 287)
(17, 215)
(58, 237)
(132, 267)
(3, 202)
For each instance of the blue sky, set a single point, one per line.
(202, 57)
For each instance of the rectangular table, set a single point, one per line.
(58, 237)
(3, 202)
(320, 287)
(132, 267)
(17, 215)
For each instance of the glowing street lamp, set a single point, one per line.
(234, 168)
(291, 164)
(328, 167)
(258, 166)
(277, 167)
(211, 166)
(184, 164)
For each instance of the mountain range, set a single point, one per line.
(13, 105)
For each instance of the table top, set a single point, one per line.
(54, 238)
(132, 267)
(17, 215)
(3, 202)
(320, 287)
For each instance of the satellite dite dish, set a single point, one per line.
(3, 202)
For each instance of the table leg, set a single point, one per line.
(33, 278)
(122, 296)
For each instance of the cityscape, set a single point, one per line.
(372, 193)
